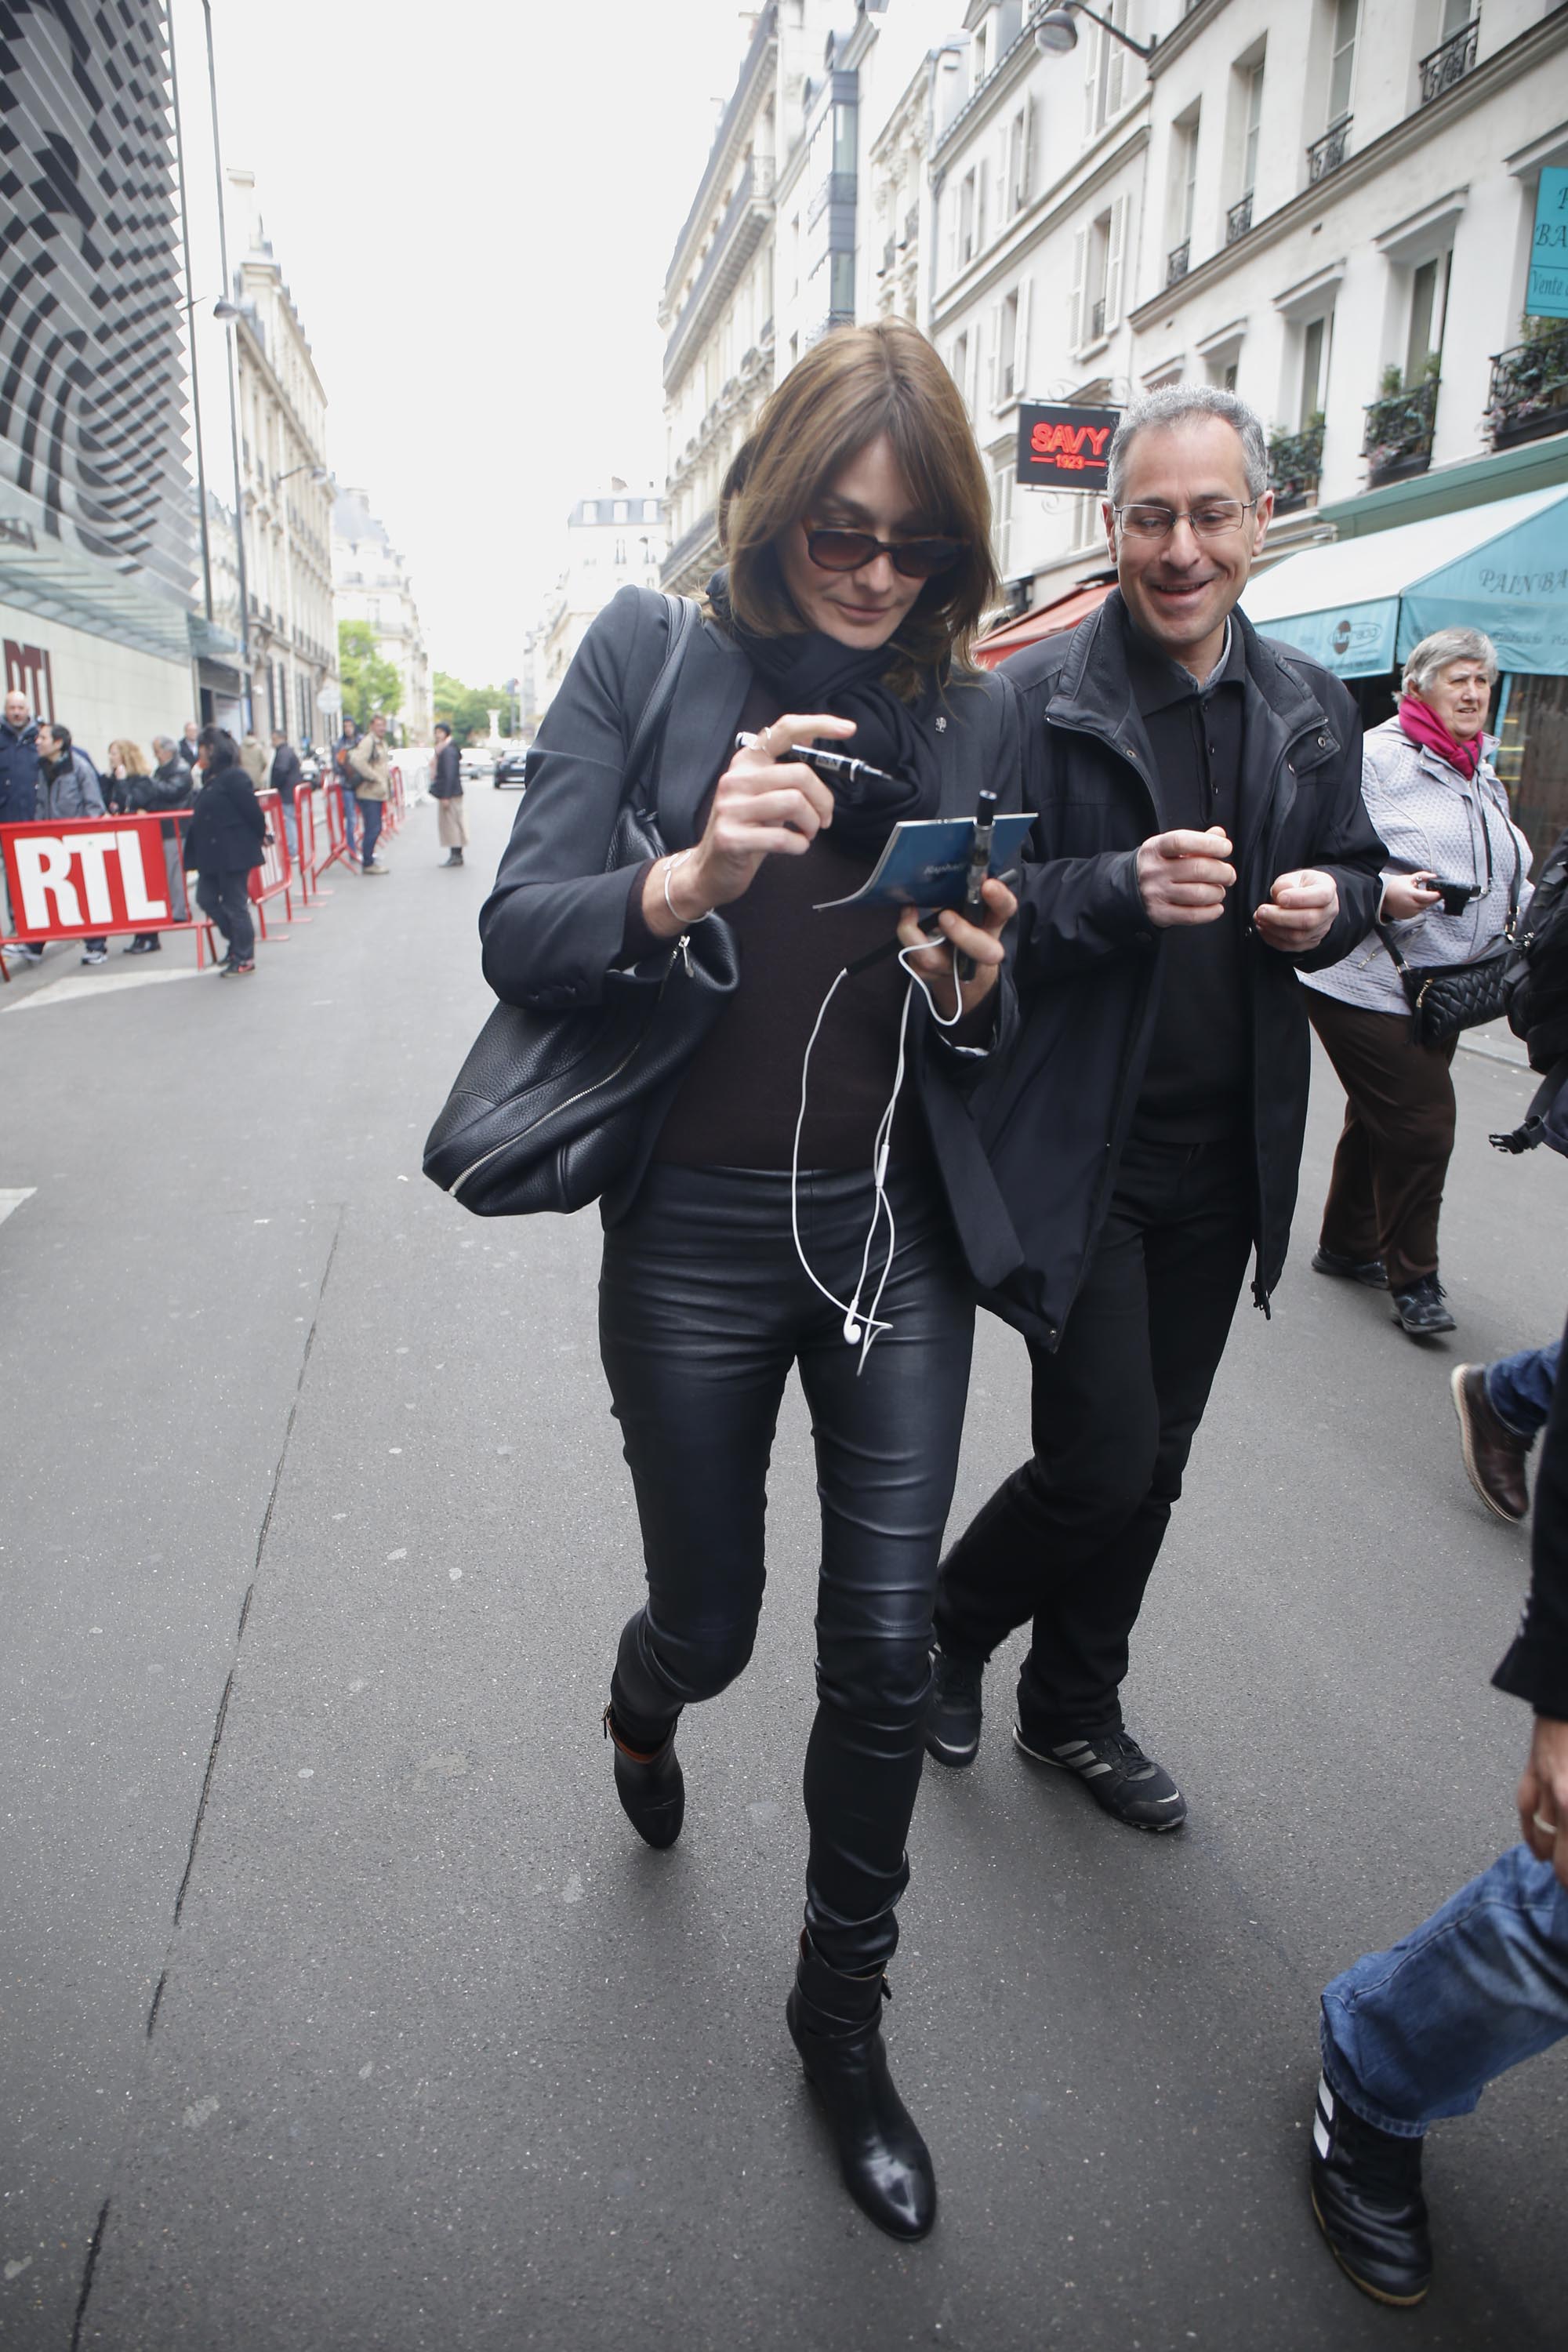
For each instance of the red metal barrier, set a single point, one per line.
(91, 877)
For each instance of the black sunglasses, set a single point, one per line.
(851, 551)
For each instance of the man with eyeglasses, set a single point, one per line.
(1201, 839)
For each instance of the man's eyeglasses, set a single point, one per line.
(1213, 520)
(850, 551)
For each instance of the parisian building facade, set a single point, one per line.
(97, 518)
(1327, 206)
(370, 582)
(287, 492)
(615, 538)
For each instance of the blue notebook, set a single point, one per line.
(926, 862)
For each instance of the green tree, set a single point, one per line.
(369, 684)
(467, 708)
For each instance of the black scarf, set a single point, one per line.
(813, 672)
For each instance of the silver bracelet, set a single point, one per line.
(685, 921)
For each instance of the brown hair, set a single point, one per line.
(854, 386)
(128, 756)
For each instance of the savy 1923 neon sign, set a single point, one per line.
(1064, 447)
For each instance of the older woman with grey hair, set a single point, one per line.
(1434, 795)
(171, 785)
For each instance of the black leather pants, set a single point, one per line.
(703, 1309)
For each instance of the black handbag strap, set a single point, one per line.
(641, 752)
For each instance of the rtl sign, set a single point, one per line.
(75, 881)
(1065, 449)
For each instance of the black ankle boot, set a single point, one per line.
(835, 2022)
(650, 1786)
(1366, 2195)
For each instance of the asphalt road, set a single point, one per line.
(341, 2006)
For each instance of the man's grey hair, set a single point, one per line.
(166, 744)
(1429, 660)
(1172, 404)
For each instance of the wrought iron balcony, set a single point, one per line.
(1529, 395)
(1177, 260)
(1097, 319)
(1295, 461)
(1238, 220)
(1398, 440)
(1327, 153)
(1449, 63)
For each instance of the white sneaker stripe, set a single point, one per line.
(1321, 2136)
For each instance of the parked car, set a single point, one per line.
(511, 772)
(476, 759)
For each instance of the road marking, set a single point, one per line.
(63, 992)
(14, 1198)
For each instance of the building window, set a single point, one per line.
(1002, 517)
(590, 511)
(1106, 73)
(650, 509)
(621, 511)
(1252, 119)
(1184, 177)
(1008, 348)
(1341, 58)
(620, 555)
(1019, 161)
(1315, 343)
(1428, 316)
(967, 220)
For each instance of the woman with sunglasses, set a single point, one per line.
(793, 1217)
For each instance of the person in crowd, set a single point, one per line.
(285, 779)
(1434, 795)
(71, 787)
(1502, 1409)
(855, 526)
(168, 787)
(224, 840)
(446, 792)
(125, 772)
(1201, 839)
(18, 786)
(372, 767)
(1413, 2035)
(190, 743)
(255, 759)
(343, 776)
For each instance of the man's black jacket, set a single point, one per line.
(19, 766)
(1090, 966)
(1536, 1668)
(286, 774)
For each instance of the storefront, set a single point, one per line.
(1361, 606)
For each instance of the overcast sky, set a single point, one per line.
(473, 206)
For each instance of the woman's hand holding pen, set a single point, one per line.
(981, 944)
(762, 807)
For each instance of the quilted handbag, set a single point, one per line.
(547, 1112)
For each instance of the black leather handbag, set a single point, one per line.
(1446, 997)
(547, 1112)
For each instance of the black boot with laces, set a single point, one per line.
(1366, 2195)
(1422, 1309)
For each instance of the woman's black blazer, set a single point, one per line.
(554, 923)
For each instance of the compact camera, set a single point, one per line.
(1455, 896)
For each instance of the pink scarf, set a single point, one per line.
(1421, 723)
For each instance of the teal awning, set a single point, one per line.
(1360, 606)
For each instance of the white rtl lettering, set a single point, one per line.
(42, 871)
(92, 855)
(139, 907)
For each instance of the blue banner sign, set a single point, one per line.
(1546, 295)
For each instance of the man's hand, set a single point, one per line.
(1543, 1796)
(1301, 909)
(1182, 877)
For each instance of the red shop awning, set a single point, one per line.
(1048, 620)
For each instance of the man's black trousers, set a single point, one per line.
(703, 1312)
(1071, 1538)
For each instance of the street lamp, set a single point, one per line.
(1057, 31)
(228, 313)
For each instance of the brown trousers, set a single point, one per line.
(1394, 1150)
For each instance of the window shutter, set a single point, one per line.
(1027, 167)
(971, 390)
(1115, 257)
(982, 189)
(1021, 341)
(994, 372)
(1091, 50)
(1075, 315)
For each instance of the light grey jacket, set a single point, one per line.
(75, 792)
(1431, 819)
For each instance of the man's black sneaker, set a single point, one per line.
(952, 1715)
(1370, 1270)
(1366, 2194)
(1117, 1774)
(1421, 1310)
